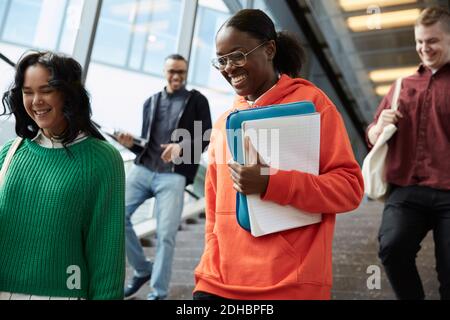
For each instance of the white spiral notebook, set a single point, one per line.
(286, 143)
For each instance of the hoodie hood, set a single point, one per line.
(284, 87)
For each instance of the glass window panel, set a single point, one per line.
(36, 24)
(261, 4)
(51, 24)
(114, 32)
(6, 70)
(6, 78)
(162, 33)
(217, 5)
(135, 58)
(243, 3)
(140, 35)
(15, 30)
(43, 22)
(210, 17)
(146, 31)
(3, 4)
(71, 26)
(158, 47)
(204, 49)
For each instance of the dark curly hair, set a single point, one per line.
(66, 78)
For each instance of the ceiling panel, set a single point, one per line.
(388, 60)
(391, 40)
(375, 48)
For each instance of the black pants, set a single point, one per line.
(200, 295)
(409, 213)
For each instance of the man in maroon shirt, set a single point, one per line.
(418, 162)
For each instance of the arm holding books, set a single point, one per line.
(337, 188)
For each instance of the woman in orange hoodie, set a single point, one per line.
(263, 66)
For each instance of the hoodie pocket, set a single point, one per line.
(254, 262)
(210, 261)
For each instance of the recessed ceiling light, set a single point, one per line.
(352, 5)
(385, 75)
(382, 90)
(384, 20)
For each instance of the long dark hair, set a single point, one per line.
(66, 78)
(290, 54)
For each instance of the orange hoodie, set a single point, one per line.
(293, 264)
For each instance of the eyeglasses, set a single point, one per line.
(236, 58)
(179, 72)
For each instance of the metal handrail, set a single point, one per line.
(8, 61)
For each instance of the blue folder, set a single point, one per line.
(234, 139)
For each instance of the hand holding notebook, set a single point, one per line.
(286, 143)
(234, 139)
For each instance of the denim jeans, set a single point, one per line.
(409, 213)
(168, 190)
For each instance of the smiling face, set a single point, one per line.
(433, 45)
(175, 72)
(258, 74)
(43, 103)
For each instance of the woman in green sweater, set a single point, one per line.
(62, 199)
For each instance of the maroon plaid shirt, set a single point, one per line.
(419, 153)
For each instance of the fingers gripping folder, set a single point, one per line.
(235, 124)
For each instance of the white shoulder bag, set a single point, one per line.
(374, 165)
(12, 150)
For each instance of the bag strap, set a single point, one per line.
(398, 86)
(12, 150)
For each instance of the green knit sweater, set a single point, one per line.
(62, 221)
